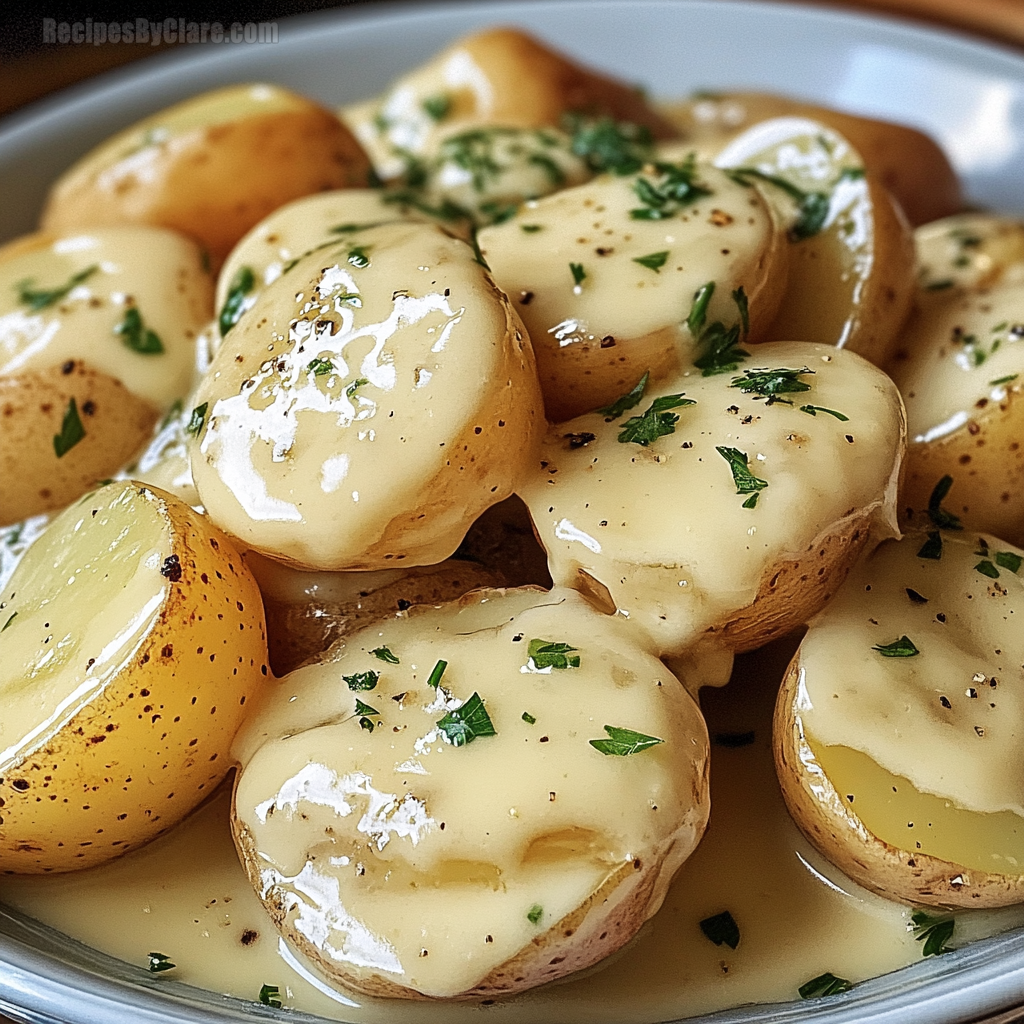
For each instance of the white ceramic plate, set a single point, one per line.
(969, 95)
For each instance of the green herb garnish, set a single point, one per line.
(354, 386)
(986, 568)
(578, 273)
(934, 932)
(932, 547)
(746, 482)
(137, 336)
(466, 723)
(826, 984)
(364, 711)
(556, 176)
(813, 410)
(1008, 560)
(674, 189)
(740, 298)
(812, 207)
(770, 384)
(655, 261)
(40, 298)
(627, 401)
(1008, 379)
(362, 680)
(718, 343)
(234, 305)
(526, 716)
(938, 515)
(384, 654)
(552, 654)
(320, 367)
(270, 995)
(357, 257)
(436, 673)
(608, 145)
(534, 914)
(160, 962)
(622, 742)
(721, 928)
(198, 418)
(699, 309)
(531, 228)
(902, 648)
(71, 431)
(437, 107)
(656, 422)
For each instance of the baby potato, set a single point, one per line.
(210, 167)
(501, 801)
(960, 369)
(851, 257)
(730, 507)
(500, 76)
(604, 274)
(970, 250)
(906, 161)
(132, 637)
(900, 716)
(376, 399)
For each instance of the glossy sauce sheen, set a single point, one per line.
(797, 916)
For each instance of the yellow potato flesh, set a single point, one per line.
(892, 809)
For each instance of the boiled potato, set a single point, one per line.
(906, 161)
(604, 276)
(97, 338)
(376, 399)
(851, 257)
(210, 167)
(308, 611)
(500, 76)
(901, 721)
(723, 509)
(132, 637)
(960, 369)
(502, 801)
(970, 250)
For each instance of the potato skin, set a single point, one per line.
(839, 835)
(215, 183)
(154, 743)
(32, 407)
(985, 457)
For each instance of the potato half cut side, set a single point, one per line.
(726, 508)
(210, 167)
(898, 716)
(471, 800)
(638, 272)
(131, 639)
(851, 257)
(377, 398)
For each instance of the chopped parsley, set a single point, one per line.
(137, 336)
(1008, 379)
(357, 257)
(71, 431)
(365, 711)
(578, 273)
(320, 367)
(234, 305)
(770, 384)
(746, 482)
(813, 410)
(673, 189)
(535, 913)
(437, 108)
(934, 932)
(826, 984)
(739, 296)
(14, 615)
(385, 654)
(526, 716)
(355, 386)
(198, 418)
(721, 928)
(436, 673)
(699, 309)
(175, 410)
(902, 648)
(811, 207)
(655, 261)
(627, 401)
(552, 654)
(622, 742)
(40, 298)
(938, 515)
(160, 962)
(932, 547)
(531, 228)
(270, 995)
(656, 422)
(556, 176)
(986, 568)
(464, 724)
(1009, 560)
(609, 145)
(362, 680)
(718, 343)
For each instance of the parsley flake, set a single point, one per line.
(1008, 379)
(160, 962)
(531, 229)
(934, 932)
(902, 648)
(320, 367)
(740, 298)
(811, 207)
(354, 386)
(137, 336)
(357, 257)
(437, 108)
(385, 654)
(938, 515)
(234, 305)
(826, 984)
(71, 431)
(362, 680)
(656, 422)
(270, 995)
(578, 273)
(40, 298)
(718, 343)
(673, 189)
(932, 547)
(721, 928)
(1009, 560)
(608, 145)
(436, 673)
(813, 410)
(627, 401)
(535, 913)
(623, 742)
(699, 309)
(526, 716)
(198, 418)
(746, 482)
(986, 568)
(364, 711)
(464, 724)
(552, 654)
(770, 384)
(655, 261)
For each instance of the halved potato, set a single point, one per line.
(851, 258)
(906, 161)
(410, 855)
(725, 508)
(210, 167)
(132, 637)
(970, 250)
(634, 273)
(960, 369)
(500, 76)
(374, 401)
(898, 718)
